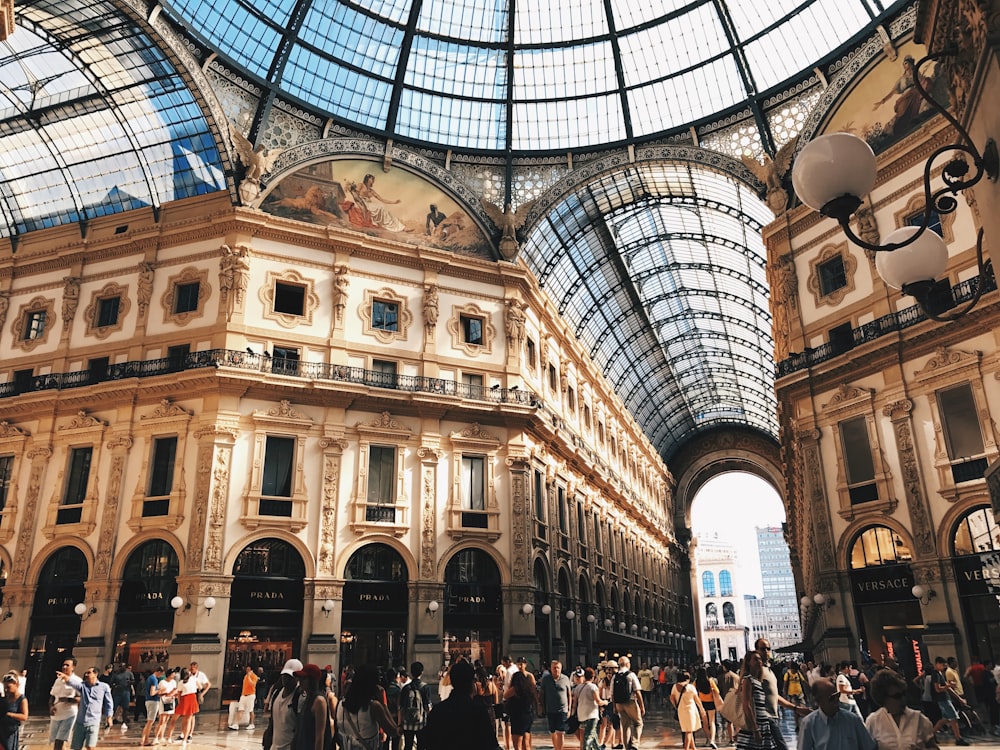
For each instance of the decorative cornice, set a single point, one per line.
(215, 430)
(8, 430)
(166, 410)
(83, 421)
(848, 394)
(284, 410)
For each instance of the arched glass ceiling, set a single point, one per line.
(551, 75)
(94, 120)
(659, 268)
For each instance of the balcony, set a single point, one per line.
(891, 323)
(232, 359)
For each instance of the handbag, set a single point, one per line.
(732, 709)
(572, 724)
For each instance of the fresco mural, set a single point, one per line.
(884, 106)
(398, 205)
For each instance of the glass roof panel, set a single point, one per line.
(673, 61)
(699, 346)
(94, 119)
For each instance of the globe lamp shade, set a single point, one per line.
(924, 260)
(832, 166)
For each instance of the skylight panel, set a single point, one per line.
(672, 45)
(559, 21)
(475, 20)
(564, 72)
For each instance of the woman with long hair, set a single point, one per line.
(611, 723)
(167, 690)
(15, 711)
(756, 732)
(360, 715)
(519, 700)
(711, 700)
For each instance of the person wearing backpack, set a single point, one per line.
(414, 704)
(626, 693)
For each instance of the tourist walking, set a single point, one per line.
(151, 697)
(15, 711)
(459, 721)
(360, 717)
(64, 702)
(414, 705)
(896, 726)
(626, 692)
(554, 698)
(519, 703)
(830, 726)
(690, 713)
(282, 702)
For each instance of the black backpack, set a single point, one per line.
(411, 702)
(621, 688)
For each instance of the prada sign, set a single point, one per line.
(376, 597)
(978, 575)
(882, 584)
(266, 594)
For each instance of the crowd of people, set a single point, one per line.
(601, 707)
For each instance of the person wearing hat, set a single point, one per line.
(15, 710)
(312, 732)
(281, 703)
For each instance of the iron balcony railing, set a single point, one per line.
(891, 323)
(260, 363)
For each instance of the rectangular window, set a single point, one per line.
(571, 399)
(960, 420)
(472, 329)
(161, 478)
(34, 324)
(279, 454)
(383, 373)
(529, 347)
(23, 380)
(76, 486)
(107, 311)
(563, 511)
(186, 297)
(860, 466)
(473, 495)
(6, 467)
(832, 275)
(289, 299)
(285, 360)
(473, 385)
(933, 222)
(97, 369)
(539, 493)
(177, 356)
(385, 315)
(841, 338)
(381, 474)
(553, 381)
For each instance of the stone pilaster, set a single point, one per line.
(119, 447)
(913, 482)
(333, 454)
(39, 458)
(429, 458)
(205, 537)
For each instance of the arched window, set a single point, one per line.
(376, 562)
(711, 615)
(977, 532)
(708, 583)
(728, 614)
(878, 545)
(725, 583)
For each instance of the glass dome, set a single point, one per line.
(491, 75)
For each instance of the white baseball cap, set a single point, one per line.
(291, 666)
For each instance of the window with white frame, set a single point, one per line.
(859, 464)
(962, 432)
(161, 477)
(75, 490)
(276, 478)
(6, 469)
(381, 475)
(473, 489)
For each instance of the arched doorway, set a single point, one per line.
(975, 554)
(543, 619)
(265, 611)
(145, 619)
(473, 611)
(54, 625)
(376, 607)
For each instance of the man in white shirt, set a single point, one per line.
(64, 703)
(847, 692)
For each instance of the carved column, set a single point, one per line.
(429, 458)
(119, 447)
(39, 458)
(913, 481)
(333, 454)
(205, 537)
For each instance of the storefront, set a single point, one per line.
(976, 561)
(54, 625)
(376, 607)
(889, 619)
(473, 608)
(267, 603)
(144, 626)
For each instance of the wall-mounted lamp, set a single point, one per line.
(526, 610)
(209, 604)
(432, 607)
(591, 619)
(805, 602)
(177, 602)
(923, 593)
(833, 174)
(546, 610)
(645, 629)
(634, 628)
(608, 624)
(570, 614)
(82, 612)
(327, 607)
(822, 600)
(621, 626)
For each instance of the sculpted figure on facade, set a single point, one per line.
(784, 298)
(430, 309)
(514, 323)
(772, 173)
(144, 290)
(340, 284)
(71, 299)
(234, 276)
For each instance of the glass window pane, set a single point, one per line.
(960, 421)
(857, 451)
(277, 476)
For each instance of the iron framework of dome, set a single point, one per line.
(657, 264)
